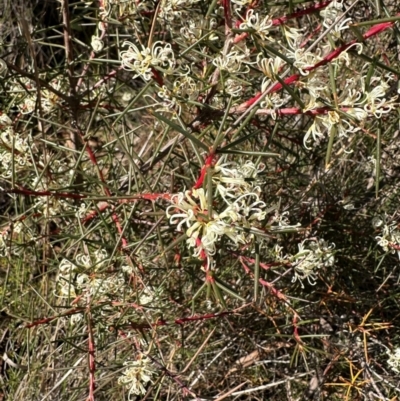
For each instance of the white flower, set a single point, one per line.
(311, 258)
(341, 26)
(236, 208)
(5, 120)
(101, 257)
(233, 180)
(242, 2)
(304, 60)
(142, 61)
(65, 287)
(270, 66)
(137, 374)
(315, 130)
(3, 66)
(172, 9)
(374, 100)
(272, 101)
(82, 211)
(231, 62)
(331, 12)
(389, 239)
(394, 360)
(193, 29)
(169, 102)
(249, 211)
(97, 44)
(377, 222)
(146, 296)
(376, 103)
(260, 25)
(357, 113)
(84, 260)
(283, 220)
(28, 105)
(203, 230)
(233, 88)
(293, 36)
(315, 85)
(100, 285)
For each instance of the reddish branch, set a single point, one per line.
(160, 322)
(282, 20)
(327, 59)
(209, 162)
(92, 361)
(50, 319)
(301, 13)
(28, 192)
(228, 15)
(276, 293)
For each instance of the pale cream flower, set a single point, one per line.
(3, 67)
(394, 359)
(304, 60)
(310, 258)
(142, 61)
(232, 62)
(260, 25)
(137, 375)
(293, 36)
(97, 44)
(331, 12)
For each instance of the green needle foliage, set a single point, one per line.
(199, 200)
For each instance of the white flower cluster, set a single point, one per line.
(231, 62)
(176, 96)
(331, 13)
(313, 254)
(142, 61)
(3, 67)
(174, 9)
(257, 23)
(311, 258)
(357, 102)
(374, 101)
(52, 206)
(26, 98)
(14, 149)
(82, 277)
(193, 29)
(394, 359)
(389, 239)
(239, 208)
(97, 44)
(137, 374)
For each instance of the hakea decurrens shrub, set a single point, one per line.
(159, 146)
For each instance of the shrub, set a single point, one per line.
(199, 200)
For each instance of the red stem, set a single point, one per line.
(306, 11)
(209, 162)
(92, 362)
